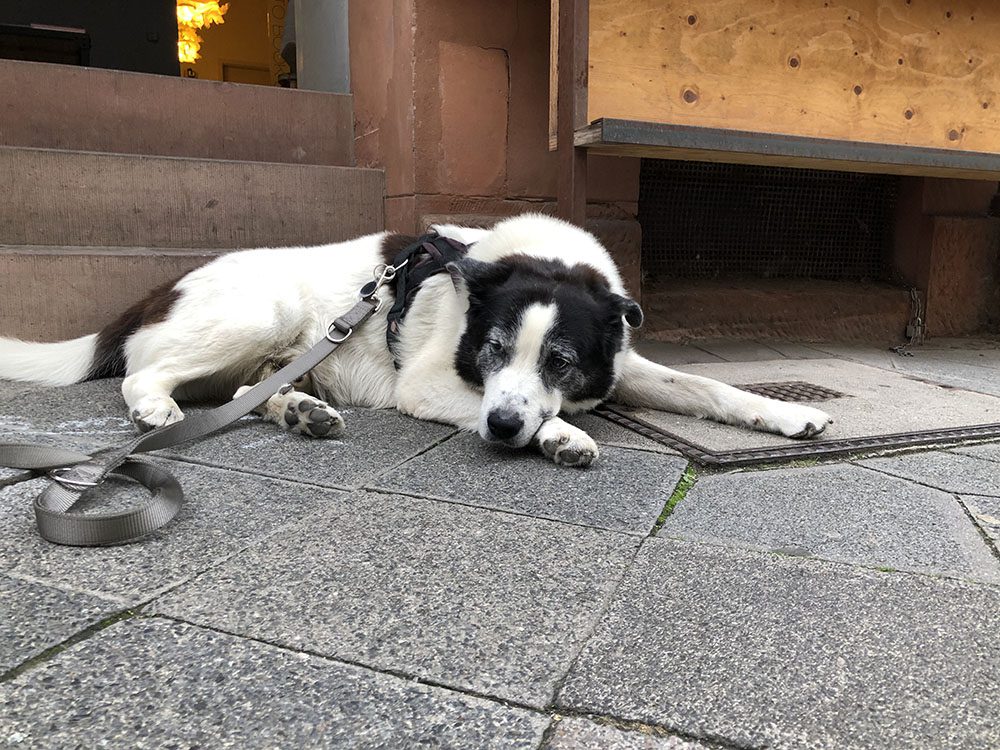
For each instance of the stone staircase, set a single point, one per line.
(117, 182)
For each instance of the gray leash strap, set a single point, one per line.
(74, 474)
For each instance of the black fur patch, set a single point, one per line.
(393, 244)
(109, 356)
(580, 349)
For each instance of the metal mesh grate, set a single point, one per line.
(792, 391)
(702, 220)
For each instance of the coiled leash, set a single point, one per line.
(74, 474)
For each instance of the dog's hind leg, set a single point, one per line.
(645, 383)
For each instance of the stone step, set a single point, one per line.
(56, 293)
(76, 198)
(90, 109)
(688, 310)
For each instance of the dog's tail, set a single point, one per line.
(58, 363)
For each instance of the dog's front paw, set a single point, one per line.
(151, 412)
(565, 444)
(793, 420)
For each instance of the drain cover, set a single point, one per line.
(795, 390)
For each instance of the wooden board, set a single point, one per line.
(911, 72)
(696, 143)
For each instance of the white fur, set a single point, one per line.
(518, 388)
(247, 309)
(60, 363)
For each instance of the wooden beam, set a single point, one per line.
(693, 143)
(573, 30)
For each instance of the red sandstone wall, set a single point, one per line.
(451, 99)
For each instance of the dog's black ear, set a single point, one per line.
(628, 309)
(478, 276)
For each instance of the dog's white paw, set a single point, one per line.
(151, 412)
(299, 412)
(565, 444)
(792, 420)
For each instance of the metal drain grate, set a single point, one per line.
(795, 390)
(810, 449)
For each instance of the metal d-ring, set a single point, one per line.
(343, 337)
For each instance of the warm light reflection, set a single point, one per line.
(191, 16)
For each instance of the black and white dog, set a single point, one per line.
(531, 324)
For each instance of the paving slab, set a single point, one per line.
(85, 409)
(986, 512)
(606, 432)
(37, 617)
(669, 354)
(374, 440)
(877, 402)
(758, 649)
(470, 598)
(951, 369)
(223, 513)
(837, 512)
(624, 490)
(150, 683)
(945, 470)
(576, 734)
(985, 451)
(738, 351)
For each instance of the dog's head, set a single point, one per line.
(539, 334)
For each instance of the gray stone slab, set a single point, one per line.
(669, 354)
(84, 409)
(838, 512)
(470, 598)
(606, 432)
(878, 402)
(952, 370)
(985, 451)
(739, 351)
(37, 617)
(576, 734)
(951, 472)
(624, 490)
(150, 683)
(986, 512)
(9, 476)
(793, 350)
(765, 650)
(223, 513)
(374, 440)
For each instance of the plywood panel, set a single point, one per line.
(912, 72)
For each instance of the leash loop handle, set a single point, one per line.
(74, 474)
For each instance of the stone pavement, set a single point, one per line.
(410, 586)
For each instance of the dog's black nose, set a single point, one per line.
(504, 424)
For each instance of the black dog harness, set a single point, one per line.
(426, 257)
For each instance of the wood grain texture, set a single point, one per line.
(909, 72)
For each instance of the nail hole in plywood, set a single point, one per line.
(908, 114)
(953, 135)
(858, 90)
(793, 62)
(689, 95)
(692, 19)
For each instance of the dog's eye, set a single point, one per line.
(494, 346)
(559, 363)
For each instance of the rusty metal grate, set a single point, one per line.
(703, 221)
(795, 390)
(811, 449)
